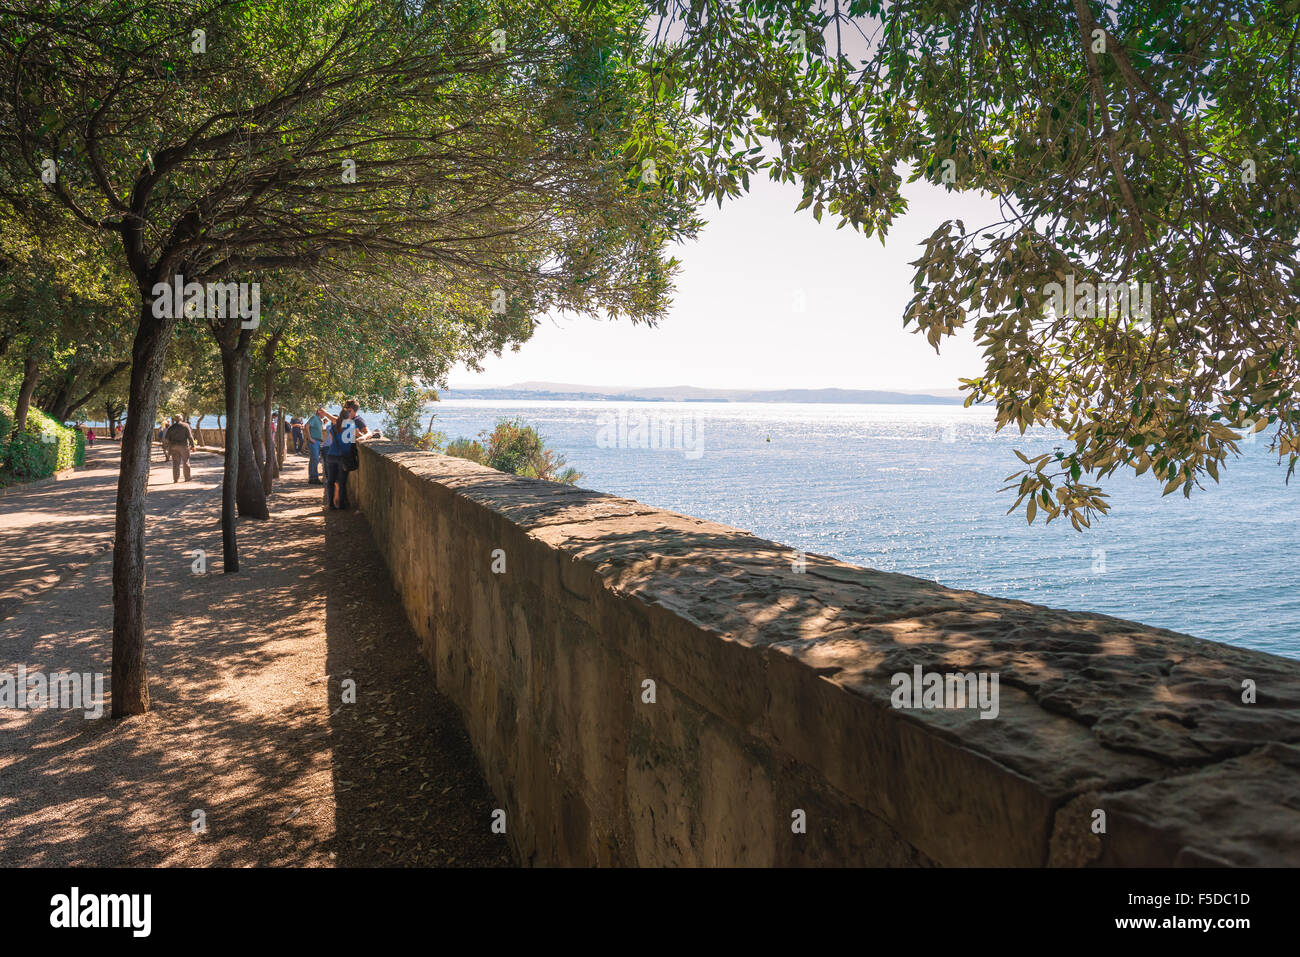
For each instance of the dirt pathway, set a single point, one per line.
(49, 530)
(249, 724)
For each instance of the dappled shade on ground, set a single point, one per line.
(50, 529)
(248, 724)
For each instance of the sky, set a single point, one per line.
(768, 298)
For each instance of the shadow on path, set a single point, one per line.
(407, 785)
(245, 727)
(51, 530)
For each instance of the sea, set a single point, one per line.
(915, 489)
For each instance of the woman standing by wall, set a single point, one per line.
(340, 457)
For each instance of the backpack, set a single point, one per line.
(178, 433)
(344, 449)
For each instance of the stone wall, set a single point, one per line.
(772, 696)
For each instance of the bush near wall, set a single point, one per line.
(44, 447)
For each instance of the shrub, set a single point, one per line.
(431, 441)
(44, 447)
(516, 448)
(467, 449)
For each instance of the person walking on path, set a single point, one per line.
(90, 437)
(295, 426)
(340, 458)
(180, 440)
(315, 425)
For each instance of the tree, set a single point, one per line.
(405, 413)
(1142, 152)
(219, 141)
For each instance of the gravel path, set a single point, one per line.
(249, 724)
(50, 529)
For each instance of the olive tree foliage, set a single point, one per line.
(341, 339)
(406, 418)
(64, 324)
(192, 386)
(1135, 149)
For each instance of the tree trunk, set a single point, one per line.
(230, 361)
(56, 398)
(249, 495)
(233, 342)
(130, 681)
(270, 468)
(268, 444)
(255, 435)
(281, 439)
(58, 407)
(31, 370)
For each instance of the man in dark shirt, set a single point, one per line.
(295, 426)
(179, 442)
(359, 422)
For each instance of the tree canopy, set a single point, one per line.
(413, 185)
(442, 174)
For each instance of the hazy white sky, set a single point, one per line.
(736, 319)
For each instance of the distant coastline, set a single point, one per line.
(555, 391)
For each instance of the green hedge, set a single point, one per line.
(44, 447)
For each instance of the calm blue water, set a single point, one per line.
(913, 489)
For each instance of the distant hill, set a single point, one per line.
(687, 393)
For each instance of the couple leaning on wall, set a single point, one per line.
(334, 439)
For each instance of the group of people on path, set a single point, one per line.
(330, 440)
